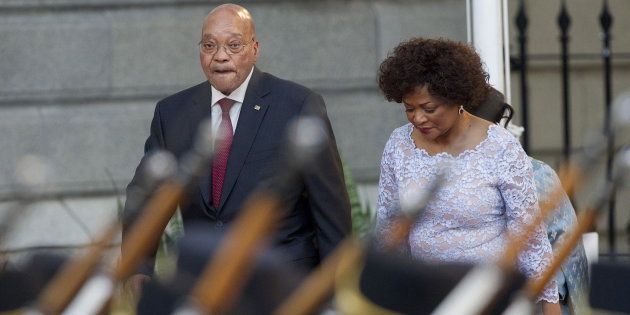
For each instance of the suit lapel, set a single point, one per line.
(202, 109)
(252, 112)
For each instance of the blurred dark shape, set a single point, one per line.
(406, 286)
(20, 285)
(270, 282)
(397, 283)
(610, 286)
(14, 290)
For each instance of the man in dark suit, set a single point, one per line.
(253, 109)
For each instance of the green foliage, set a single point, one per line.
(166, 256)
(361, 218)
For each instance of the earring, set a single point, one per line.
(461, 109)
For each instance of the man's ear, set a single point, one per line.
(256, 47)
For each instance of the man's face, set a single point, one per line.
(226, 70)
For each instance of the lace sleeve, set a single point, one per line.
(516, 183)
(388, 200)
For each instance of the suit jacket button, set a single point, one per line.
(219, 223)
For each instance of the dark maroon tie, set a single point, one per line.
(222, 146)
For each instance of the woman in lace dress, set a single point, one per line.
(572, 278)
(489, 190)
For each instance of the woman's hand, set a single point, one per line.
(551, 308)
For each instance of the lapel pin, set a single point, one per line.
(257, 107)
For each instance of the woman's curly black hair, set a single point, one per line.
(450, 70)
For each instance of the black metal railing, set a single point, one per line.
(564, 22)
(606, 20)
(520, 63)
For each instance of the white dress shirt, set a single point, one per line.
(237, 96)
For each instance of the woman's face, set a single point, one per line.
(430, 116)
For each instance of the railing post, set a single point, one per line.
(606, 20)
(564, 21)
(521, 24)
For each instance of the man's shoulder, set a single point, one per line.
(186, 94)
(287, 86)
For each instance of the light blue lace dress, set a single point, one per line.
(573, 277)
(488, 192)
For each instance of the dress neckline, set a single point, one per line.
(446, 154)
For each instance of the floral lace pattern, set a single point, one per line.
(572, 279)
(487, 193)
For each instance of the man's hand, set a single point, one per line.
(135, 283)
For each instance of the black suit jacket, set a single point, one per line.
(319, 211)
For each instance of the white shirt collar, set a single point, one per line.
(237, 95)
